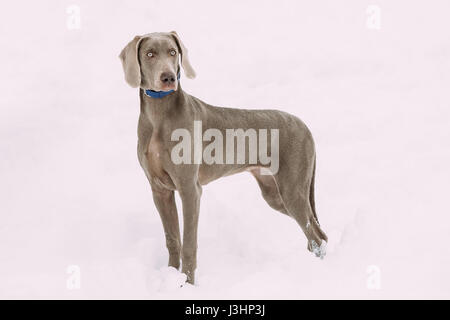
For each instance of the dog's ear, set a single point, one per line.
(130, 62)
(185, 63)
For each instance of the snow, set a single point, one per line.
(319, 251)
(376, 101)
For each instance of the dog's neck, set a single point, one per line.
(157, 110)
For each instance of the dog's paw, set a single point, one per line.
(319, 251)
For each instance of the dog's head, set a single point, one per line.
(151, 61)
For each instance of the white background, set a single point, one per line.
(377, 102)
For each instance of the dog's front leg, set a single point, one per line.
(190, 196)
(165, 203)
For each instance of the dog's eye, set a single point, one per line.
(173, 52)
(150, 54)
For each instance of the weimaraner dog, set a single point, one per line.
(152, 63)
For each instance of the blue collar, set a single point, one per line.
(160, 94)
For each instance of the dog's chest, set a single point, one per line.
(156, 156)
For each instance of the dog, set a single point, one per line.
(152, 63)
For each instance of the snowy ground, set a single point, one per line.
(377, 102)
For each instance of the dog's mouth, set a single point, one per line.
(169, 87)
(165, 87)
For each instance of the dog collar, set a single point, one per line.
(160, 94)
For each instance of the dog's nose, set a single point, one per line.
(167, 78)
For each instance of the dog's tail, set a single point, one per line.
(312, 202)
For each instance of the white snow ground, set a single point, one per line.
(377, 102)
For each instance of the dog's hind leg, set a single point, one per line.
(269, 190)
(296, 195)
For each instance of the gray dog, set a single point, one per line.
(151, 63)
